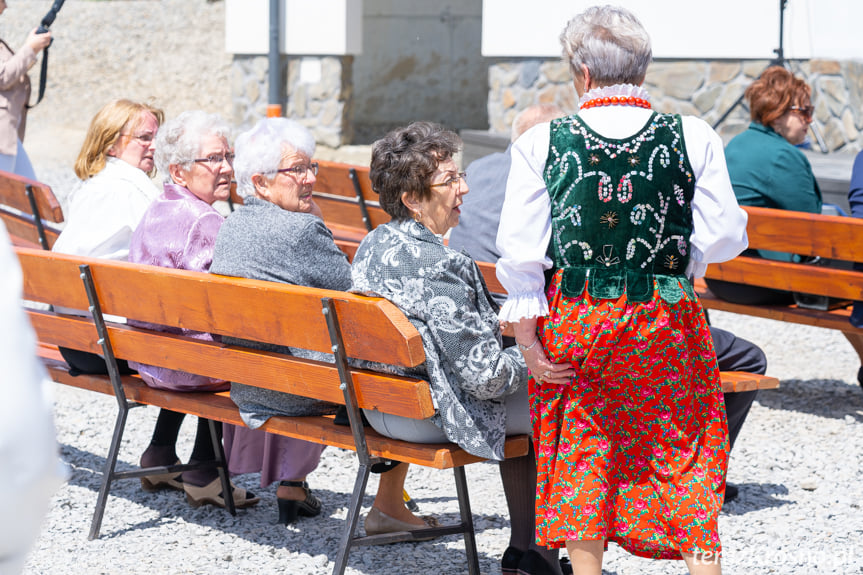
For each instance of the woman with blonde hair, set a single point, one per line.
(115, 190)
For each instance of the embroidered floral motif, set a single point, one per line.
(658, 230)
(609, 219)
(679, 195)
(671, 262)
(606, 259)
(633, 161)
(624, 189)
(606, 189)
(594, 159)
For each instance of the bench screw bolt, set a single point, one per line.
(343, 386)
(335, 348)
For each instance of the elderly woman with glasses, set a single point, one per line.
(479, 387)
(608, 215)
(278, 235)
(178, 231)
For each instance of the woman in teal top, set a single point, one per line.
(767, 169)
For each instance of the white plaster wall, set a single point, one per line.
(421, 60)
(323, 27)
(686, 29)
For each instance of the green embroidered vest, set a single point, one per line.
(621, 214)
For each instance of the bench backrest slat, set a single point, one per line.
(834, 237)
(399, 395)
(13, 194)
(23, 232)
(269, 312)
(836, 283)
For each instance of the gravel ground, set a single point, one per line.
(797, 463)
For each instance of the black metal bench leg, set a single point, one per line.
(466, 520)
(222, 463)
(108, 473)
(352, 519)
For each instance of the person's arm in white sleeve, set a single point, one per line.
(525, 229)
(718, 222)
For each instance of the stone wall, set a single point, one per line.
(321, 102)
(704, 89)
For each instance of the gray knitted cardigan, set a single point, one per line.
(262, 241)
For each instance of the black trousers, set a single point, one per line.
(737, 354)
(86, 362)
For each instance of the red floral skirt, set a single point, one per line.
(635, 450)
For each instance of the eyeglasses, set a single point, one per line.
(301, 170)
(452, 183)
(805, 111)
(145, 138)
(214, 161)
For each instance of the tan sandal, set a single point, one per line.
(160, 481)
(211, 494)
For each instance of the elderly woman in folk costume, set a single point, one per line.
(609, 213)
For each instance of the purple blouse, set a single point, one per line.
(177, 231)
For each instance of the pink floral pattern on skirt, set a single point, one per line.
(636, 449)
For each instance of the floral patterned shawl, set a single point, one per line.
(442, 293)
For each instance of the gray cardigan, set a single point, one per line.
(262, 241)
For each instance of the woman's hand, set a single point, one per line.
(38, 42)
(544, 370)
(534, 355)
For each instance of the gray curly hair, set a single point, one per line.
(179, 140)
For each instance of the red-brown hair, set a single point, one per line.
(774, 93)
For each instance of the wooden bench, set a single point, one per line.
(832, 237)
(30, 211)
(339, 323)
(732, 381)
(345, 196)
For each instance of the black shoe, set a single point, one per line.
(289, 509)
(565, 566)
(511, 559)
(731, 493)
(859, 376)
(532, 563)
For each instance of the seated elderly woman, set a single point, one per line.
(479, 387)
(277, 236)
(178, 230)
(114, 164)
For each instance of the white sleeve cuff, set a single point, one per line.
(523, 305)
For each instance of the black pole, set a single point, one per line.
(274, 104)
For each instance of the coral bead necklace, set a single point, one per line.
(616, 101)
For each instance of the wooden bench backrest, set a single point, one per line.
(373, 329)
(336, 194)
(19, 219)
(832, 237)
